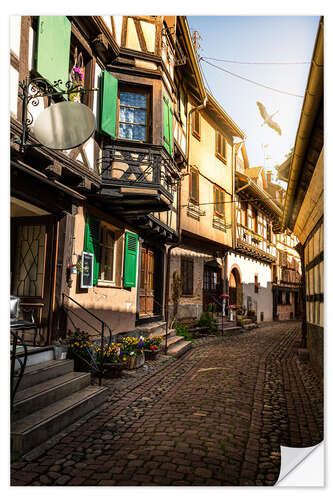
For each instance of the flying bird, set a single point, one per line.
(268, 118)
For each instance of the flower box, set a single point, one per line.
(151, 355)
(113, 370)
(134, 362)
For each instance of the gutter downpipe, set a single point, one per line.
(179, 240)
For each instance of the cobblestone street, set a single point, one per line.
(217, 417)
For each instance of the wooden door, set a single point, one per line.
(212, 285)
(147, 281)
(33, 266)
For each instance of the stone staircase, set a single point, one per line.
(177, 346)
(51, 396)
(231, 327)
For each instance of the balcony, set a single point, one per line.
(137, 180)
(254, 245)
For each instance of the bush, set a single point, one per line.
(206, 320)
(182, 330)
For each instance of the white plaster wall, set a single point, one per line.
(13, 82)
(15, 34)
(263, 300)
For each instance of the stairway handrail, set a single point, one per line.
(103, 326)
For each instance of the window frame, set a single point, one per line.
(221, 191)
(222, 154)
(184, 262)
(102, 281)
(256, 283)
(89, 66)
(135, 89)
(194, 171)
(196, 132)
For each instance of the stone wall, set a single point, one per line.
(315, 344)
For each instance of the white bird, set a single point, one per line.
(268, 118)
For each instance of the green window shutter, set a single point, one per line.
(130, 265)
(108, 103)
(166, 126)
(92, 238)
(53, 48)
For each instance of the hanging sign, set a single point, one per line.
(87, 270)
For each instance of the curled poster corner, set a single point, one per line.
(296, 464)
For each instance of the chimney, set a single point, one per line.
(269, 176)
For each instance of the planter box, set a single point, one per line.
(134, 362)
(113, 370)
(151, 355)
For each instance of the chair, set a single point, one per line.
(17, 324)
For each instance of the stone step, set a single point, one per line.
(39, 426)
(173, 340)
(41, 372)
(179, 348)
(154, 328)
(39, 396)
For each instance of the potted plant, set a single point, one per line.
(133, 351)
(111, 359)
(80, 350)
(152, 347)
(232, 309)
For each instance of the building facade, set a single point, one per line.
(304, 205)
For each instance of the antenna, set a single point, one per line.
(195, 39)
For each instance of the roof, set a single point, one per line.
(236, 131)
(309, 137)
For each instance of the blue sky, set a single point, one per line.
(258, 39)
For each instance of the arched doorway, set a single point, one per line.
(235, 288)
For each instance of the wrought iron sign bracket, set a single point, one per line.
(35, 89)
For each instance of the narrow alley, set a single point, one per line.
(217, 416)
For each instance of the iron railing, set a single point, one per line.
(98, 368)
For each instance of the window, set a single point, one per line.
(133, 114)
(194, 185)
(218, 201)
(196, 124)
(269, 231)
(107, 255)
(79, 72)
(255, 220)
(220, 146)
(256, 284)
(187, 265)
(244, 213)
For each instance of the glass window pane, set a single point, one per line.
(127, 131)
(131, 115)
(133, 99)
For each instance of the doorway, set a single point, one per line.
(235, 288)
(212, 285)
(147, 282)
(32, 268)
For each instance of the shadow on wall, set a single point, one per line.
(119, 321)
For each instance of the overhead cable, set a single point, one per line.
(251, 81)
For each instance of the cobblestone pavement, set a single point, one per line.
(217, 417)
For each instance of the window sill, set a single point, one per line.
(108, 284)
(221, 158)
